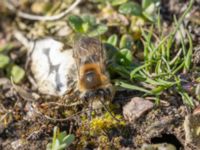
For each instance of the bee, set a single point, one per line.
(93, 79)
(73, 74)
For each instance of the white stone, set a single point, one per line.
(50, 65)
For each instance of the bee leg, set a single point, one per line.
(106, 108)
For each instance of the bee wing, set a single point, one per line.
(89, 50)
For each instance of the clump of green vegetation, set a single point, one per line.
(99, 129)
(60, 140)
(138, 15)
(87, 24)
(161, 65)
(105, 122)
(146, 10)
(12, 70)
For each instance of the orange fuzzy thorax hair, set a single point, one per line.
(100, 77)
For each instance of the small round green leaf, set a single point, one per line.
(117, 2)
(69, 139)
(149, 12)
(130, 8)
(98, 30)
(150, 8)
(126, 42)
(147, 3)
(4, 60)
(113, 40)
(124, 57)
(17, 73)
(6, 47)
(91, 20)
(85, 27)
(76, 23)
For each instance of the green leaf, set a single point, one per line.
(186, 98)
(188, 57)
(126, 42)
(61, 136)
(131, 8)
(117, 2)
(147, 3)
(49, 146)
(76, 23)
(158, 90)
(113, 40)
(55, 132)
(98, 30)
(69, 139)
(91, 20)
(124, 57)
(110, 50)
(4, 60)
(120, 70)
(60, 140)
(56, 145)
(197, 91)
(85, 27)
(62, 146)
(149, 13)
(6, 47)
(88, 22)
(133, 73)
(17, 73)
(131, 87)
(139, 77)
(149, 9)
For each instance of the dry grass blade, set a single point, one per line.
(23, 93)
(41, 18)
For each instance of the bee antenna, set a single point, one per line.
(105, 107)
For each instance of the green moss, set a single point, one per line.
(105, 122)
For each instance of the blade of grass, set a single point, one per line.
(168, 46)
(188, 57)
(137, 69)
(185, 97)
(175, 57)
(158, 69)
(130, 86)
(178, 68)
(167, 64)
(178, 24)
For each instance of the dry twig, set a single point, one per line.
(24, 15)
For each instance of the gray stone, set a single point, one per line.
(136, 108)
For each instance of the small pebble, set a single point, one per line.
(136, 108)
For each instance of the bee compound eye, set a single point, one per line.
(108, 92)
(100, 91)
(87, 95)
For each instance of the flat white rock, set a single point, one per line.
(50, 65)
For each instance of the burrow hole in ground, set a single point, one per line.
(167, 138)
